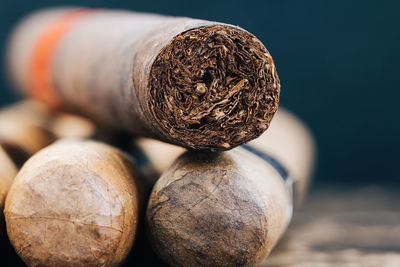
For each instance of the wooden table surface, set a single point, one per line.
(337, 226)
(343, 226)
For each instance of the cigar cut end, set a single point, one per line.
(214, 88)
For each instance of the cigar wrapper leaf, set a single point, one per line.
(195, 215)
(194, 83)
(74, 203)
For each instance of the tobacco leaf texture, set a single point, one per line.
(214, 88)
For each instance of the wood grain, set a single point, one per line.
(343, 226)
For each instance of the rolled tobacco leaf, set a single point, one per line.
(23, 130)
(290, 142)
(231, 208)
(8, 171)
(221, 209)
(74, 203)
(194, 83)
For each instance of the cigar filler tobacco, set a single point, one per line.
(194, 83)
(74, 203)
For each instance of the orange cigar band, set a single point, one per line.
(40, 84)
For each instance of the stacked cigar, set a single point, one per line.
(202, 86)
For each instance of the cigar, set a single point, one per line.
(29, 112)
(66, 125)
(194, 83)
(291, 144)
(28, 126)
(8, 171)
(220, 209)
(23, 130)
(21, 135)
(60, 124)
(74, 203)
(200, 210)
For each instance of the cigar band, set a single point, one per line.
(40, 84)
(289, 181)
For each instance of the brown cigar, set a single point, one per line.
(75, 203)
(291, 144)
(23, 130)
(29, 112)
(8, 171)
(66, 125)
(206, 209)
(21, 135)
(224, 209)
(193, 83)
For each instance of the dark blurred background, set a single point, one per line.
(338, 62)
